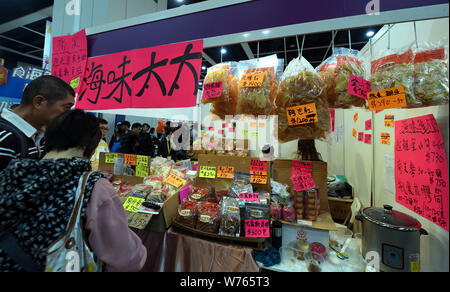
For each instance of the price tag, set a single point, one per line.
(212, 90)
(174, 180)
(253, 80)
(258, 179)
(302, 114)
(303, 182)
(355, 118)
(253, 125)
(389, 121)
(225, 172)
(361, 136)
(368, 138)
(387, 98)
(257, 228)
(249, 197)
(354, 133)
(385, 138)
(258, 165)
(142, 160)
(368, 125)
(109, 157)
(130, 159)
(301, 167)
(207, 172)
(358, 87)
(132, 204)
(138, 220)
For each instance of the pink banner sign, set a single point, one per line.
(69, 58)
(368, 125)
(257, 228)
(368, 138)
(258, 165)
(158, 77)
(361, 136)
(212, 90)
(184, 192)
(249, 197)
(358, 87)
(421, 174)
(303, 181)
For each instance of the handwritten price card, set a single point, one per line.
(132, 204)
(249, 197)
(299, 167)
(258, 179)
(225, 172)
(389, 121)
(358, 87)
(258, 171)
(387, 98)
(109, 157)
(212, 90)
(174, 180)
(361, 136)
(355, 118)
(354, 133)
(368, 125)
(385, 138)
(252, 80)
(257, 228)
(302, 114)
(368, 138)
(130, 159)
(141, 166)
(303, 181)
(258, 165)
(138, 220)
(421, 174)
(207, 172)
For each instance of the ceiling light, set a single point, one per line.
(246, 35)
(223, 51)
(370, 33)
(203, 67)
(266, 32)
(180, 1)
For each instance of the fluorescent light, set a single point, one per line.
(266, 32)
(246, 35)
(370, 33)
(180, 1)
(223, 51)
(203, 67)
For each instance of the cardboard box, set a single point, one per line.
(110, 166)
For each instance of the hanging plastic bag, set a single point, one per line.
(300, 84)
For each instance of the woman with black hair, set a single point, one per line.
(37, 199)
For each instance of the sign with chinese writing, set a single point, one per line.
(225, 172)
(109, 157)
(299, 167)
(69, 57)
(303, 181)
(385, 138)
(387, 98)
(130, 159)
(252, 80)
(174, 180)
(249, 197)
(212, 90)
(358, 87)
(138, 220)
(29, 72)
(184, 192)
(158, 77)
(141, 166)
(302, 114)
(368, 125)
(258, 179)
(132, 204)
(421, 174)
(354, 133)
(333, 115)
(257, 228)
(368, 138)
(207, 172)
(389, 121)
(258, 165)
(355, 118)
(361, 136)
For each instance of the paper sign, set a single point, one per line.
(389, 121)
(69, 58)
(333, 115)
(385, 138)
(258, 165)
(387, 98)
(174, 180)
(252, 80)
(184, 192)
(138, 220)
(109, 157)
(258, 179)
(249, 197)
(130, 159)
(368, 125)
(225, 172)
(355, 118)
(261, 125)
(299, 167)
(212, 90)
(207, 172)
(354, 133)
(165, 76)
(302, 114)
(257, 228)
(303, 181)
(358, 87)
(368, 138)
(361, 136)
(118, 166)
(253, 125)
(141, 166)
(421, 173)
(132, 204)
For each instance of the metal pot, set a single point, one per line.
(394, 235)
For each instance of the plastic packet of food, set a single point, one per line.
(394, 69)
(218, 83)
(208, 217)
(276, 210)
(157, 182)
(188, 213)
(289, 213)
(326, 71)
(230, 221)
(256, 98)
(255, 211)
(241, 184)
(431, 80)
(300, 85)
(227, 108)
(299, 205)
(311, 204)
(141, 190)
(198, 194)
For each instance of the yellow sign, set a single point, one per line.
(389, 121)
(225, 172)
(258, 179)
(207, 172)
(132, 204)
(252, 80)
(141, 166)
(75, 82)
(109, 157)
(385, 138)
(174, 180)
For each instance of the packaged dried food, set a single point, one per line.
(217, 76)
(300, 85)
(318, 252)
(300, 205)
(230, 221)
(156, 182)
(300, 249)
(276, 211)
(208, 217)
(198, 194)
(188, 213)
(227, 108)
(241, 184)
(431, 74)
(156, 196)
(258, 99)
(256, 211)
(394, 70)
(284, 197)
(161, 167)
(289, 214)
(141, 191)
(326, 71)
(311, 204)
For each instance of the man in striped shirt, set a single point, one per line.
(22, 129)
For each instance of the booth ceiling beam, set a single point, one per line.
(19, 42)
(19, 53)
(33, 31)
(247, 50)
(209, 59)
(27, 19)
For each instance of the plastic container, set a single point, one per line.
(300, 250)
(318, 252)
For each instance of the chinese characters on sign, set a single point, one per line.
(225, 172)
(389, 121)
(174, 180)
(302, 114)
(141, 166)
(358, 87)
(421, 174)
(249, 197)
(368, 138)
(299, 167)
(158, 77)
(387, 98)
(29, 73)
(385, 138)
(303, 181)
(212, 90)
(138, 220)
(257, 228)
(207, 172)
(252, 80)
(258, 171)
(368, 125)
(132, 204)
(361, 136)
(69, 58)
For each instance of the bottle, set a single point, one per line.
(276, 236)
(3, 73)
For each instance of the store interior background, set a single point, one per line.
(362, 164)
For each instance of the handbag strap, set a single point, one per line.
(77, 206)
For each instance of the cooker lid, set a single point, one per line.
(390, 218)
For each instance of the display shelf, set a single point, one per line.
(324, 222)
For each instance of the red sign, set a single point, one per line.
(212, 90)
(257, 228)
(368, 138)
(333, 115)
(361, 136)
(300, 167)
(421, 174)
(249, 197)
(368, 125)
(358, 87)
(303, 181)
(69, 58)
(158, 77)
(257, 165)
